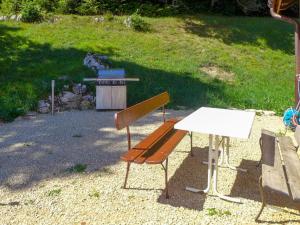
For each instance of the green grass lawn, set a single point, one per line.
(256, 53)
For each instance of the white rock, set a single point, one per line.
(99, 19)
(93, 61)
(19, 17)
(128, 21)
(68, 97)
(269, 113)
(43, 106)
(13, 17)
(3, 18)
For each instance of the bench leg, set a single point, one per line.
(166, 177)
(126, 177)
(261, 191)
(191, 141)
(260, 145)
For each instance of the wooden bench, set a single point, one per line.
(280, 167)
(157, 146)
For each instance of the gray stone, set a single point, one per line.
(70, 100)
(13, 17)
(99, 19)
(19, 17)
(269, 113)
(68, 97)
(94, 61)
(79, 88)
(43, 106)
(89, 98)
(85, 105)
(128, 22)
(3, 18)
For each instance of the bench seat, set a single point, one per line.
(137, 153)
(291, 164)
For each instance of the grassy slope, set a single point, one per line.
(259, 51)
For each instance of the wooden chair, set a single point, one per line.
(157, 146)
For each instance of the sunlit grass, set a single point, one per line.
(258, 51)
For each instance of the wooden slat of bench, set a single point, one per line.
(272, 170)
(292, 166)
(132, 154)
(155, 136)
(163, 152)
(129, 115)
(137, 153)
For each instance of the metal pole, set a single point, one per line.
(297, 48)
(52, 96)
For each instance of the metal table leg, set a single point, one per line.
(227, 157)
(209, 173)
(215, 174)
(213, 157)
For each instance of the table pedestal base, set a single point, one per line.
(225, 155)
(213, 159)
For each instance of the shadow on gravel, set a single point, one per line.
(190, 173)
(49, 147)
(246, 186)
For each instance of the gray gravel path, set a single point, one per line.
(37, 187)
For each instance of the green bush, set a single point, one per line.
(31, 13)
(108, 16)
(16, 100)
(138, 23)
(88, 7)
(68, 6)
(11, 6)
(47, 5)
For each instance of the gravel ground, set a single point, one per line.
(37, 185)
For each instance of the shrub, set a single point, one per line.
(11, 6)
(108, 16)
(48, 5)
(68, 6)
(16, 100)
(138, 23)
(88, 7)
(31, 13)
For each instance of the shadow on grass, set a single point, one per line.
(191, 172)
(26, 69)
(243, 30)
(41, 149)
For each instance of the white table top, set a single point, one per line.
(223, 122)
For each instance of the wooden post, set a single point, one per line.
(52, 96)
(297, 57)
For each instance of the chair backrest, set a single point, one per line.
(297, 135)
(127, 116)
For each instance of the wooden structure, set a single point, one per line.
(111, 89)
(157, 146)
(280, 167)
(276, 7)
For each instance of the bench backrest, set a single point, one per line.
(127, 116)
(269, 148)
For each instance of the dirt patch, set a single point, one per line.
(218, 73)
